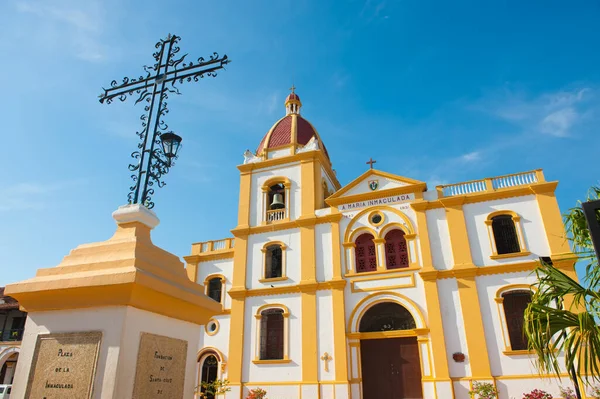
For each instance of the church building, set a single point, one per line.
(381, 288)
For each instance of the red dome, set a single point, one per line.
(292, 96)
(282, 133)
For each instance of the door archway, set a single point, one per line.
(390, 362)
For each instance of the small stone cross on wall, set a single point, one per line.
(326, 358)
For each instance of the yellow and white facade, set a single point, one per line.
(452, 285)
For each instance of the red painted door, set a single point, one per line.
(391, 368)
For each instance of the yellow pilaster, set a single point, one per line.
(310, 357)
(475, 334)
(434, 314)
(459, 239)
(308, 169)
(340, 356)
(238, 305)
(467, 288)
(244, 204)
(552, 219)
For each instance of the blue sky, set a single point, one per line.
(437, 91)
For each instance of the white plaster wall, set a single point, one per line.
(515, 388)
(284, 152)
(220, 340)
(224, 267)
(325, 338)
(384, 184)
(531, 224)
(121, 328)
(255, 263)
(487, 287)
(323, 252)
(275, 391)
(454, 328)
(439, 239)
(292, 172)
(273, 372)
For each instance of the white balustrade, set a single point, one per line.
(517, 179)
(219, 244)
(204, 247)
(495, 183)
(275, 215)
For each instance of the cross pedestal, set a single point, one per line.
(116, 319)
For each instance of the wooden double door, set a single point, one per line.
(391, 368)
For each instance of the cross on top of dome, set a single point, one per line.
(292, 102)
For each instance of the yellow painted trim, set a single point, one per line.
(474, 330)
(518, 353)
(416, 313)
(374, 172)
(283, 247)
(286, 383)
(438, 341)
(499, 299)
(267, 184)
(310, 355)
(272, 280)
(207, 349)
(361, 230)
(286, 160)
(349, 233)
(286, 332)
(387, 287)
(374, 213)
(403, 271)
(511, 255)
(552, 219)
(271, 361)
(336, 253)
(223, 285)
(268, 137)
(383, 334)
(238, 306)
(244, 202)
(285, 225)
(209, 256)
(516, 219)
(211, 333)
(287, 289)
(339, 335)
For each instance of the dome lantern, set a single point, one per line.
(292, 103)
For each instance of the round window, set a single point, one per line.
(212, 327)
(376, 219)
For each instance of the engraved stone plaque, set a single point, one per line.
(160, 370)
(64, 365)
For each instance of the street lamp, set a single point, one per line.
(170, 143)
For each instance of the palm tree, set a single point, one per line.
(552, 328)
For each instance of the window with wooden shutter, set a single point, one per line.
(215, 288)
(505, 235)
(365, 255)
(396, 250)
(515, 303)
(271, 334)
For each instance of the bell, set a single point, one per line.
(277, 202)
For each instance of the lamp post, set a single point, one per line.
(158, 146)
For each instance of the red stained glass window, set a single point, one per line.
(366, 259)
(396, 250)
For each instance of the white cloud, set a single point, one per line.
(76, 24)
(555, 113)
(32, 196)
(471, 156)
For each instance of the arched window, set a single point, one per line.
(396, 250)
(215, 289)
(386, 316)
(515, 303)
(209, 372)
(366, 258)
(505, 235)
(272, 334)
(273, 261)
(276, 203)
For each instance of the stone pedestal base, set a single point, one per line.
(116, 319)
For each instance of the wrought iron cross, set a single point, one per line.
(326, 358)
(154, 89)
(371, 162)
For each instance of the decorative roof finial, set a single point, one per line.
(292, 102)
(293, 88)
